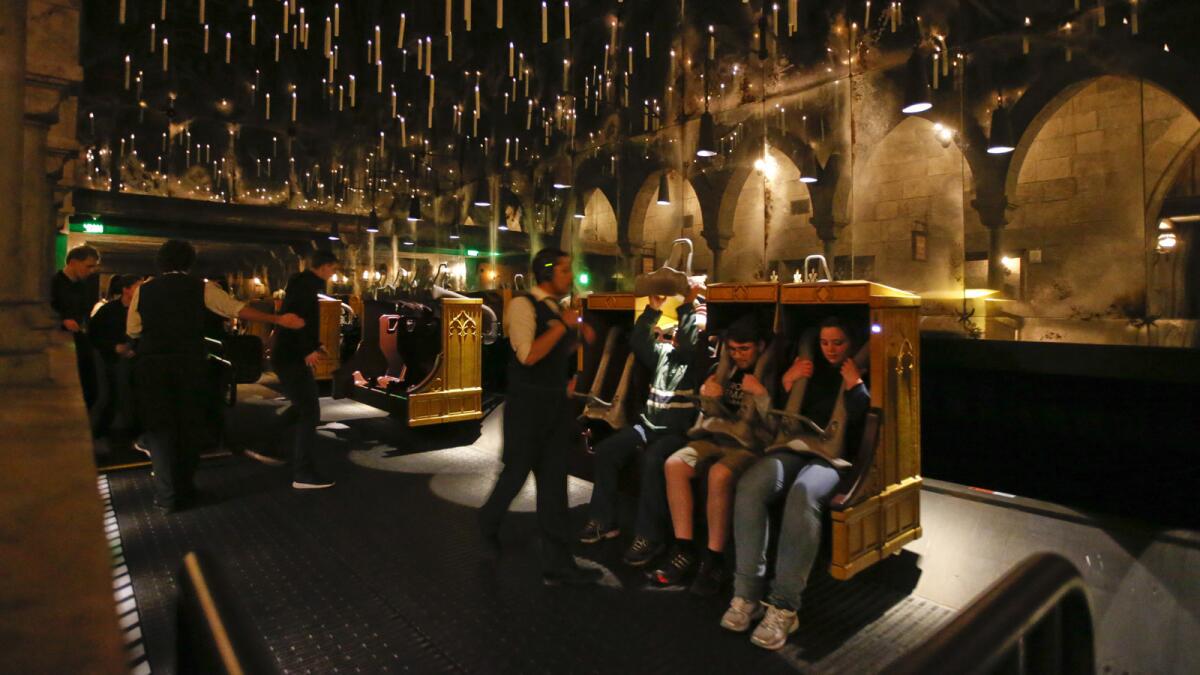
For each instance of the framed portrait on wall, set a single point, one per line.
(920, 241)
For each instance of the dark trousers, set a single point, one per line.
(173, 392)
(85, 361)
(301, 417)
(613, 454)
(538, 433)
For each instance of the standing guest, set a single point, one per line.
(538, 414)
(803, 477)
(662, 430)
(106, 332)
(72, 298)
(294, 357)
(167, 317)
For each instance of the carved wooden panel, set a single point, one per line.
(331, 338)
(611, 301)
(749, 292)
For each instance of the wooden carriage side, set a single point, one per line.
(884, 512)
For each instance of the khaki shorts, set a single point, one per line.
(736, 459)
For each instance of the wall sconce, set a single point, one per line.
(1167, 241)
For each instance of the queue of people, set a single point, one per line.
(724, 432)
(717, 425)
(144, 369)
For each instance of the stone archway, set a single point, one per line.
(909, 193)
(657, 225)
(1088, 180)
(765, 216)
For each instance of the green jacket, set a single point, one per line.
(675, 377)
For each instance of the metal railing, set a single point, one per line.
(1035, 619)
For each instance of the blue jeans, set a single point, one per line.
(615, 452)
(807, 483)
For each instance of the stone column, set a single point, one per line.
(992, 205)
(23, 333)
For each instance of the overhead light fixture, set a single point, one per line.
(664, 190)
(766, 164)
(1000, 141)
(414, 208)
(562, 175)
(407, 241)
(455, 234)
(481, 193)
(918, 95)
(707, 145)
(334, 235)
(808, 167)
(373, 221)
(580, 206)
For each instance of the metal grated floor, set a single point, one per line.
(384, 573)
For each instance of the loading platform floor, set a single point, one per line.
(385, 573)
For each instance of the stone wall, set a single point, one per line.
(910, 182)
(664, 223)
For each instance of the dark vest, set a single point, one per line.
(549, 375)
(172, 310)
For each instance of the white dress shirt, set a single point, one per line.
(520, 321)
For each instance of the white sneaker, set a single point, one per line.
(312, 484)
(740, 613)
(774, 629)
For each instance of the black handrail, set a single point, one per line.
(1035, 619)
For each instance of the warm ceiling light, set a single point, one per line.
(1001, 140)
(481, 194)
(707, 146)
(808, 167)
(766, 165)
(918, 95)
(414, 208)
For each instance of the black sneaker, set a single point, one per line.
(572, 576)
(680, 564)
(710, 578)
(594, 532)
(641, 552)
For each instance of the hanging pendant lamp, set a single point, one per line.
(580, 206)
(414, 208)
(334, 235)
(1001, 140)
(809, 173)
(664, 190)
(918, 95)
(707, 146)
(373, 221)
(481, 194)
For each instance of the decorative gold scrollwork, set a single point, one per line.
(463, 325)
(906, 360)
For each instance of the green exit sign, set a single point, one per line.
(93, 227)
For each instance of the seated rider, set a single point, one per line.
(740, 398)
(670, 411)
(803, 473)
